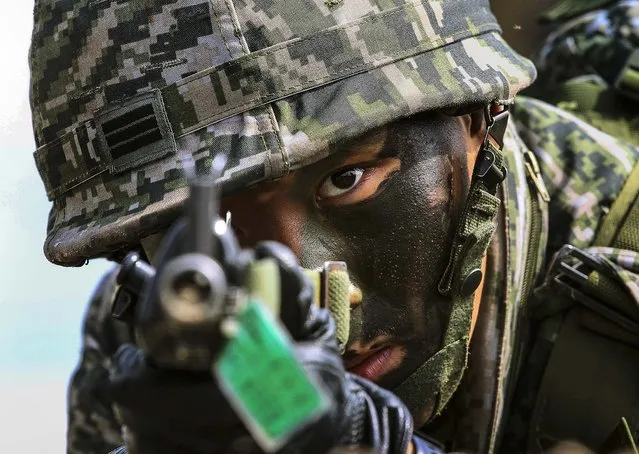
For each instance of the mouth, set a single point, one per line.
(374, 365)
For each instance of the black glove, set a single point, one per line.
(185, 413)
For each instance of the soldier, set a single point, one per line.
(586, 54)
(372, 132)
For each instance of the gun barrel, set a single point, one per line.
(203, 207)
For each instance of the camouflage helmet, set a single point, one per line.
(128, 96)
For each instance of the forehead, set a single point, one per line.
(421, 128)
(363, 148)
(373, 142)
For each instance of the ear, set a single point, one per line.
(474, 123)
(473, 119)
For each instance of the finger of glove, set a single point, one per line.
(390, 418)
(361, 412)
(325, 368)
(325, 365)
(296, 310)
(158, 399)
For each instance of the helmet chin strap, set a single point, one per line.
(441, 374)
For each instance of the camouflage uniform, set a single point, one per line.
(583, 63)
(119, 130)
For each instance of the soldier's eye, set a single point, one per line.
(340, 183)
(355, 184)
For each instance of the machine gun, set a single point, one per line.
(208, 305)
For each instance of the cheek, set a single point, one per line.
(257, 218)
(396, 247)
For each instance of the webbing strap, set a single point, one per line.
(620, 227)
(596, 102)
(252, 81)
(584, 93)
(607, 289)
(333, 291)
(481, 205)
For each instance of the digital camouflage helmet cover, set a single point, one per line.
(128, 95)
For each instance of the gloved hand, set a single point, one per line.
(175, 412)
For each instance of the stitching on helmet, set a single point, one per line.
(276, 131)
(163, 65)
(219, 25)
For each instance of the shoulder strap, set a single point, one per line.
(620, 227)
(600, 105)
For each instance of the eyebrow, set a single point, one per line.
(365, 147)
(389, 150)
(369, 145)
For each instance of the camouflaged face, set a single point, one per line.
(128, 97)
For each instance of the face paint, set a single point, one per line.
(396, 243)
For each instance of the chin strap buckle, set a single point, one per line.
(480, 208)
(578, 276)
(489, 167)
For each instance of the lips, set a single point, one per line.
(374, 365)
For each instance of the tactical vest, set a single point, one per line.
(589, 387)
(589, 390)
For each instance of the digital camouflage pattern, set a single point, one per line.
(584, 171)
(583, 60)
(129, 97)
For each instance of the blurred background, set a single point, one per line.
(41, 305)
